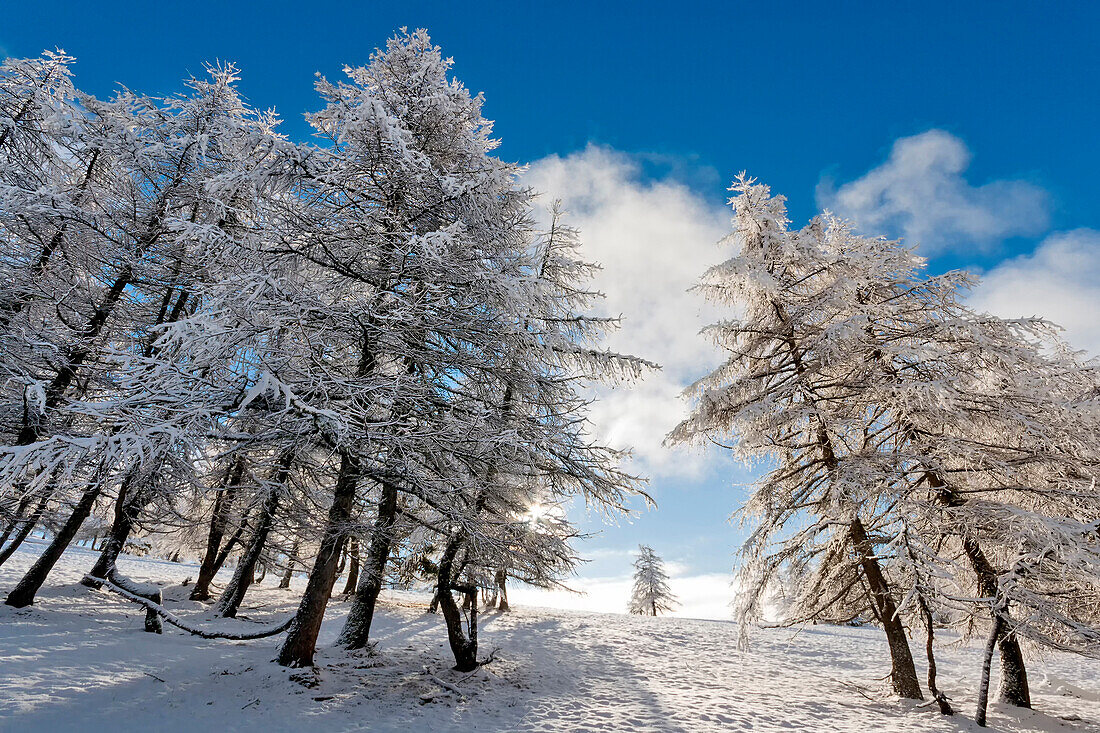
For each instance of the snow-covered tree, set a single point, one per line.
(277, 352)
(651, 594)
(921, 454)
(789, 396)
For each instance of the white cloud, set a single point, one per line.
(654, 239)
(1059, 281)
(701, 596)
(921, 194)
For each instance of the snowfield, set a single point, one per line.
(78, 660)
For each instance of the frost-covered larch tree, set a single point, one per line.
(791, 395)
(158, 193)
(427, 238)
(254, 350)
(995, 423)
(651, 594)
(956, 449)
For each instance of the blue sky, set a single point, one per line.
(969, 128)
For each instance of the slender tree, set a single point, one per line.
(651, 594)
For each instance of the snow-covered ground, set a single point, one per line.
(79, 661)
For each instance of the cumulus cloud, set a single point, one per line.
(1059, 281)
(920, 193)
(654, 239)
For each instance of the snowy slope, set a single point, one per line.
(79, 661)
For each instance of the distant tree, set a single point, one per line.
(651, 593)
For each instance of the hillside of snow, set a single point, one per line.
(78, 660)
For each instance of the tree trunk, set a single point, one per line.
(127, 507)
(987, 660)
(233, 594)
(75, 356)
(356, 631)
(25, 530)
(219, 520)
(223, 555)
(903, 673)
(301, 640)
(353, 569)
(17, 516)
(464, 648)
(343, 561)
(501, 581)
(24, 592)
(930, 635)
(288, 575)
(1014, 685)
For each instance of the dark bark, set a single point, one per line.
(987, 660)
(219, 520)
(288, 574)
(903, 673)
(356, 631)
(502, 588)
(233, 595)
(929, 639)
(17, 518)
(1015, 689)
(1014, 685)
(25, 528)
(24, 592)
(463, 646)
(353, 566)
(301, 641)
(128, 505)
(223, 555)
(75, 356)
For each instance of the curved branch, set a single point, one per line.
(180, 624)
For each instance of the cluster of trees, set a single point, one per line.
(926, 465)
(239, 346)
(364, 349)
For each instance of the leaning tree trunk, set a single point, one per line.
(28, 525)
(17, 519)
(233, 595)
(903, 673)
(127, 507)
(463, 647)
(288, 574)
(502, 588)
(356, 631)
(301, 641)
(987, 660)
(24, 592)
(929, 651)
(219, 520)
(1014, 685)
(353, 566)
